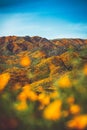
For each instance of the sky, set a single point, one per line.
(46, 18)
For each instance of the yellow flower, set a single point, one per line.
(25, 61)
(54, 94)
(4, 78)
(22, 96)
(17, 86)
(44, 99)
(26, 89)
(32, 95)
(21, 106)
(53, 110)
(64, 82)
(78, 122)
(27, 94)
(85, 69)
(74, 109)
(70, 100)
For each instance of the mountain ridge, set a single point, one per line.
(16, 44)
(47, 58)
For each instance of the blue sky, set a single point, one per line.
(46, 18)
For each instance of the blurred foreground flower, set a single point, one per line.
(43, 99)
(22, 96)
(75, 109)
(85, 69)
(70, 100)
(17, 86)
(64, 82)
(78, 122)
(27, 94)
(4, 78)
(54, 95)
(53, 110)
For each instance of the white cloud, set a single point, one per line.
(33, 24)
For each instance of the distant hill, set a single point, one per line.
(15, 45)
(48, 58)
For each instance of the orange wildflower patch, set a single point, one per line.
(64, 82)
(78, 122)
(70, 100)
(53, 110)
(22, 96)
(54, 95)
(44, 99)
(25, 61)
(17, 86)
(26, 89)
(75, 109)
(32, 96)
(4, 78)
(27, 94)
(85, 69)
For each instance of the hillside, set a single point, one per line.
(39, 63)
(47, 57)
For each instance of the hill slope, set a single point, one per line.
(43, 83)
(48, 58)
